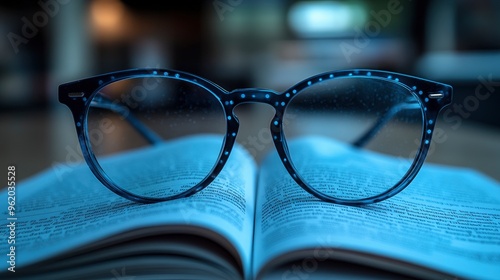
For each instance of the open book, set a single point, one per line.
(252, 222)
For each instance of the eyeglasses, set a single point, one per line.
(349, 137)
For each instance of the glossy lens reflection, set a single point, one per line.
(155, 137)
(354, 137)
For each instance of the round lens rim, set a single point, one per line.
(415, 165)
(104, 178)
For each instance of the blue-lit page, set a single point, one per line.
(65, 215)
(445, 223)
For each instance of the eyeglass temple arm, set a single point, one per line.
(123, 111)
(384, 119)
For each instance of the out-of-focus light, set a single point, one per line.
(107, 17)
(324, 18)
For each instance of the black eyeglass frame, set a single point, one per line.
(78, 96)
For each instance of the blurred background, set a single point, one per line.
(246, 43)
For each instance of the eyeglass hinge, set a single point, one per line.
(436, 95)
(76, 94)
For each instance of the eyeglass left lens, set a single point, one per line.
(356, 137)
(147, 134)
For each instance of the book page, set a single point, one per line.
(56, 214)
(446, 220)
(149, 257)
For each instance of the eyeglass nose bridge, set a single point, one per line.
(253, 95)
(262, 96)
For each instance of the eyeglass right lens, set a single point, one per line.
(147, 134)
(354, 137)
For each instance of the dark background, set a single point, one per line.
(246, 43)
